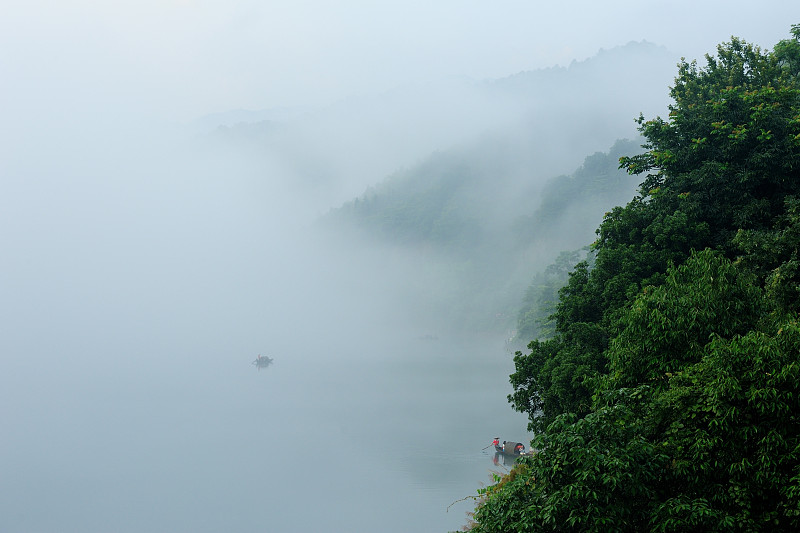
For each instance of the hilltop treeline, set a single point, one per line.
(454, 210)
(666, 395)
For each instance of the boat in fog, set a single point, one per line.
(262, 362)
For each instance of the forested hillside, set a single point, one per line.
(483, 194)
(532, 125)
(665, 396)
(482, 216)
(456, 210)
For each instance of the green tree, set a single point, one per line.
(671, 387)
(773, 255)
(726, 160)
(667, 328)
(591, 474)
(729, 426)
(553, 377)
(695, 428)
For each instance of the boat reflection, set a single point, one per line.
(503, 459)
(508, 452)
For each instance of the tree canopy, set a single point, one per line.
(666, 398)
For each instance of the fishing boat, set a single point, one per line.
(511, 449)
(262, 362)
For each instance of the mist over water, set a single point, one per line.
(140, 282)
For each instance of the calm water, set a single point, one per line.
(133, 304)
(350, 442)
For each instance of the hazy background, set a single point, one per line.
(184, 58)
(147, 256)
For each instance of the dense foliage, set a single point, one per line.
(667, 398)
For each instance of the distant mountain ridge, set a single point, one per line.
(492, 212)
(335, 152)
(444, 214)
(477, 181)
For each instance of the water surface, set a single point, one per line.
(137, 291)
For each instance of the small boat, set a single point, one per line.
(511, 449)
(262, 362)
(509, 452)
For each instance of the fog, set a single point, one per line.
(164, 166)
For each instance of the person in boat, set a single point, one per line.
(496, 441)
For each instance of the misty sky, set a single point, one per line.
(178, 59)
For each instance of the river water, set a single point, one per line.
(201, 440)
(136, 295)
